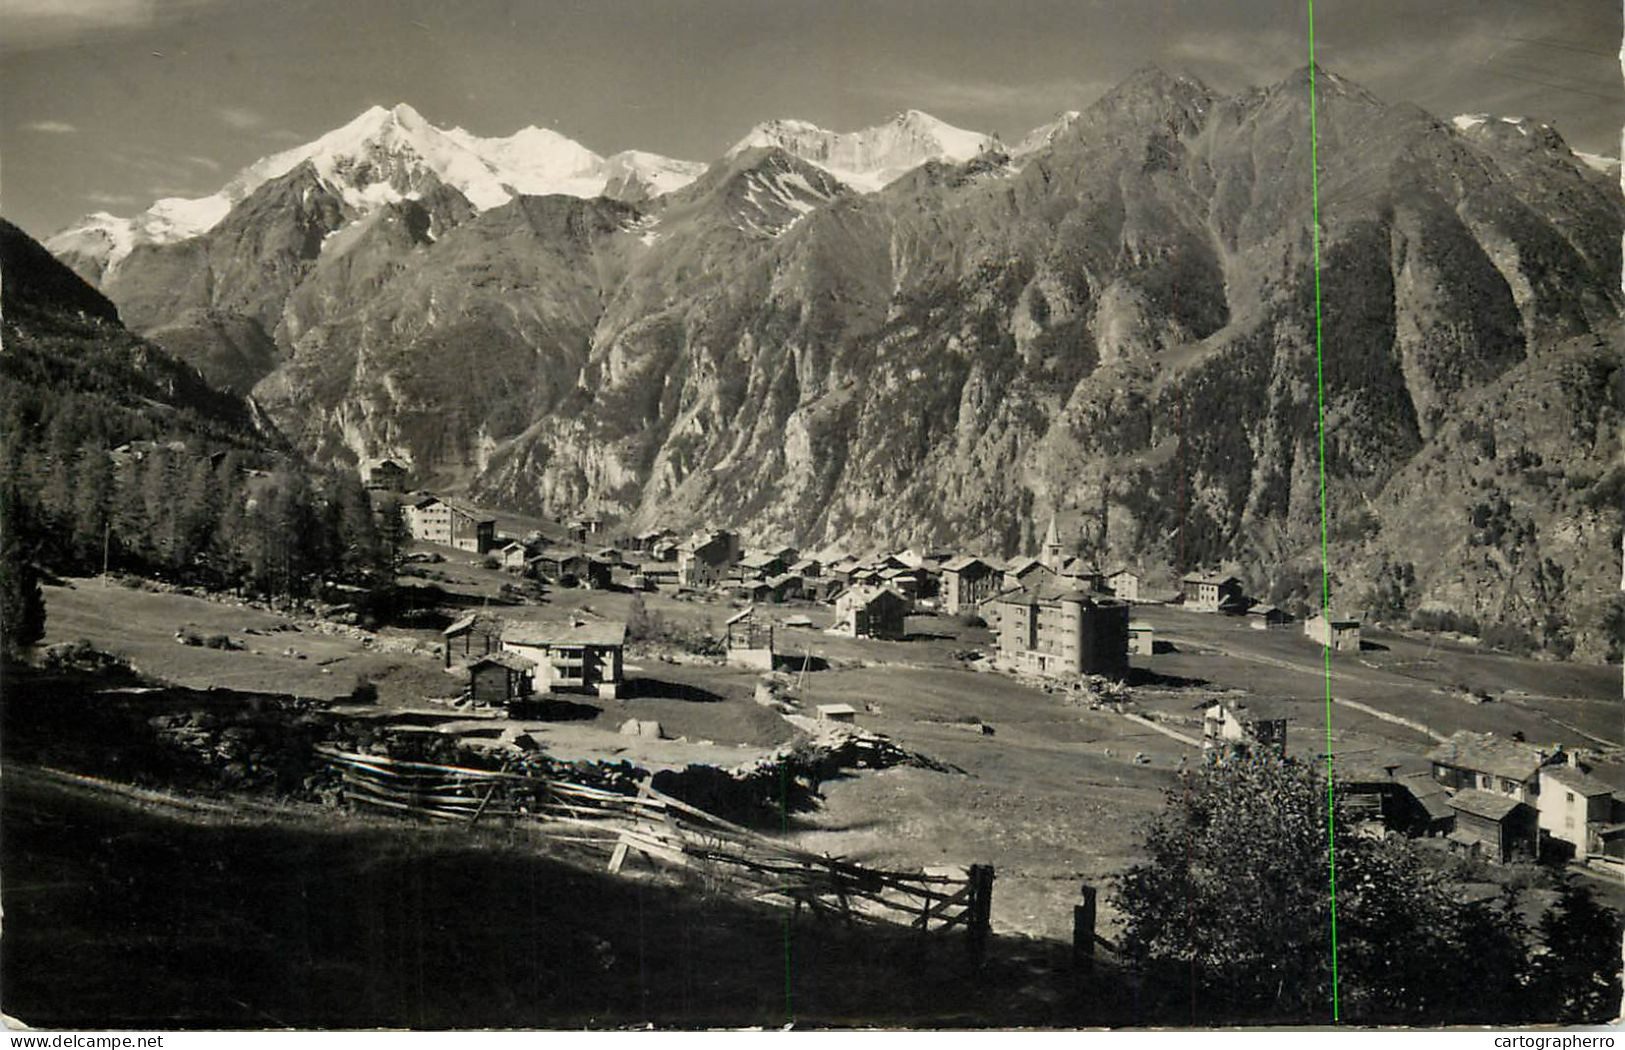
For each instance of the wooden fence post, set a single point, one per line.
(618, 857)
(1083, 931)
(980, 912)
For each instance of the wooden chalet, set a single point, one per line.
(871, 612)
(474, 635)
(967, 582)
(1496, 826)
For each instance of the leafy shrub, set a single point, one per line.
(1444, 620)
(1510, 638)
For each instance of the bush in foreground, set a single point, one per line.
(1230, 918)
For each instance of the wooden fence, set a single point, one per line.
(671, 832)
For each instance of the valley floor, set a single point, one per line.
(1049, 790)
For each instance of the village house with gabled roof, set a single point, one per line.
(806, 568)
(967, 582)
(704, 559)
(785, 587)
(1497, 826)
(1486, 762)
(1124, 584)
(1213, 594)
(871, 612)
(1081, 574)
(1412, 804)
(1243, 726)
(906, 582)
(585, 528)
(1572, 807)
(569, 567)
(822, 588)
(571, 657)
(452, 523)
(512, 555)
(1028, 574)
(645, 542)
(760, 563)
(1060, 632)
(1267, 617)
(384, 474)
(842, 567)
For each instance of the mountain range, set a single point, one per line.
(915, 334)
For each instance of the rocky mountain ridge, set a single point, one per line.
(1117, 325)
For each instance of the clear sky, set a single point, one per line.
(108, 104)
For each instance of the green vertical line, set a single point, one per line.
(784, 817)
(1325, 560)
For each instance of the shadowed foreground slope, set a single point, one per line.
(121, 914)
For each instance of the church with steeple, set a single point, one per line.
(1052, 554)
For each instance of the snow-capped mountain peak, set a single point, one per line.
(384, 155)
(1530, 134)
(870, 158)
(1044, 134)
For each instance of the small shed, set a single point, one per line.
(837, 713)
(1338, 635)
(749, 640)
(500, 678)
(1267, 617)
(1141, 639)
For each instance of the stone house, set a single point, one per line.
(452, 523)
(1124, 584)
(1572, 806)
(1058, 633)
(1213, 594)
(1337, 634)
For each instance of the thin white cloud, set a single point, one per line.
(51, 127)
(926, 90)
(110, 199)
(202, 162)
(239, 117)
(48, 23)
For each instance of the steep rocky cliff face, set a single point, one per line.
(1117, 325)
